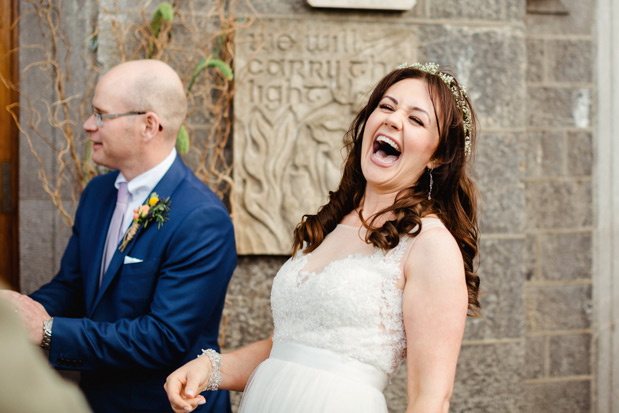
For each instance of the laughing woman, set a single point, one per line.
(383, 272)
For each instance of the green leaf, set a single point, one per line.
(182, 140)
(223, 67)
(165, 11)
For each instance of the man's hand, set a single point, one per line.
(32, 313)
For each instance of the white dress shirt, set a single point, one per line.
(142, 186)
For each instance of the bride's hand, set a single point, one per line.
(184, 385)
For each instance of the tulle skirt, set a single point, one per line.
(302, 379)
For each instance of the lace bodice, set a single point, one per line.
(345, 296)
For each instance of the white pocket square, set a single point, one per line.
(131, 260)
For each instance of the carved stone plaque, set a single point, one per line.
(365, 4)
(299, 85)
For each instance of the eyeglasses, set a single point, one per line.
(100, 116)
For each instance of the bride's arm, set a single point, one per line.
(184, 385)
(435, 304)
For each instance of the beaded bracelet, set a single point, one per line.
(215, 379)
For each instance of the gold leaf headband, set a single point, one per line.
(459, 94)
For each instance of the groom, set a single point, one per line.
(127, 317)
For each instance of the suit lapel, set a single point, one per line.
(165, 188)
(98, 236)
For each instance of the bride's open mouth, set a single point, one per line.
(386, 149)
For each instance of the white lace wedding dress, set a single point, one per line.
(339, 334)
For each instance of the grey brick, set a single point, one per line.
(558, 307)
(562, 204)
(579, 154)
(536, 57)
(396, 390)
(36, 258)
(564, 397)
(570, 60)
(566, 256)
(499, 174)
(531, 257)
(489, 378)
(502, 284)
(560, 107)
(488, 10)
(534, 359)
(570, 355)
(579, 21)
(483, 60)
(544, 154)
(245, 321)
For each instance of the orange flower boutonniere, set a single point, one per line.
(154, 209)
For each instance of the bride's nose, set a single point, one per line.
(394, 120)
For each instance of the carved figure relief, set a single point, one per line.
(300, 83)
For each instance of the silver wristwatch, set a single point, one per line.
(47, 333)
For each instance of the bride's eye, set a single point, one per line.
(416, 120)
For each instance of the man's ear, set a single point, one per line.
(151, 126)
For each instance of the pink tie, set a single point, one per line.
(116, 225)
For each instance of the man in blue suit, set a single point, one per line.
(128, 315)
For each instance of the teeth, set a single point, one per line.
(389, 142)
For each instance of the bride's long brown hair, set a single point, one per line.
(454, 195)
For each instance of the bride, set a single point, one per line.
(384, 271)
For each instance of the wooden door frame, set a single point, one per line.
(9, 156)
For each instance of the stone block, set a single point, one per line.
(570, 61)
(268, 8)
(199, 103)
(566, 256)
(570, 355)
(560, 107)
(551, 308)
(281, 8)
(502, 284)
(579, 21)
(58, 109)
(489, 378)
(482, 59)
(544, 199)
(112, 28)
(36, 258)
(253, 276)
(235, 400)
(113, 6)
(245, 320)
(535, 357)
(531, 257)
(487, 10)
(500, 183)
(247, 313)
(61, 233)
(579, 154)
(395, 5)
(536, 60)
(302, 82)
(395, 393)
(561, 396)
(545, 154)
(30, 185)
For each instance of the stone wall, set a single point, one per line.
(531, 82)
(559, 211)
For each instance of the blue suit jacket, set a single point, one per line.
(147, 318)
